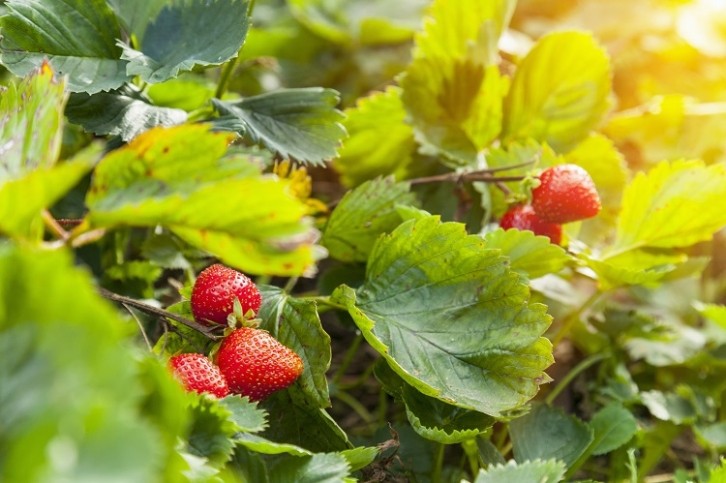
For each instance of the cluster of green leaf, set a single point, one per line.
(437, 325)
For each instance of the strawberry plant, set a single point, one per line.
(423, 240)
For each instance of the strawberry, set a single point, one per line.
(566, 193)
(198, 374)
(523, 217)
(216, 289)
(256, 364)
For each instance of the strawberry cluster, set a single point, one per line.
(250, 361)
(566, 193)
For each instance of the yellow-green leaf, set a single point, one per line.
(674, 205)
(454, 71)
(559, 92)
(177, 178)
(379, 143)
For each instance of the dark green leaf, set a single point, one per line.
(125, 113)
(298, 424)
(186, 34)
(78, 37)
(302, 124)
(548, 471)
(549, 433)
(136, 14)
(431, 418)
(613, 426)
(362, 216)
(450, 318)
(296, 324)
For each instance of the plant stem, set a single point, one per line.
(438, 467)
(141, 326)
(290, 284)
(224, 79)
(485, 175)
(53, 226)
(576, 371)
(573, 317)
(325, 300)
(355, 405)
(348, 358)
(150, 309)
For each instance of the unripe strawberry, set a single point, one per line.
(214, 293)
(255, 364)
(523, 217)
(198, 374)
(566, 193)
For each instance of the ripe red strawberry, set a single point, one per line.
(566, 193)
(256, 364)
(198, 374)
(215, 290)
(523, 217)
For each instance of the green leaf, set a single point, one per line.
(671, 127)
(318, 468)
(683, 406)
(450, 318)
(360, 457)
(380, 142)
(559, 92)
(530, 255)
(674, 343)
(211, 431)
(248, 466)
(673, 205)
(31, 117)
(714, 434)
(714, 313)
(548, 432)
(362, 216)
(68, 381)
(613, 426)
(245, 414)
(188, 93)
(135, 14)
(635, 267)
(296, 324)
(262, 445)
(302, 124)
(77, 37)
(431, 418)
(188, 34)
(23, 199)
(718, 475)
(175, 177)
(548, 471)
(299, 424)
(125, 113)
(348, 22)
(454, 70)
